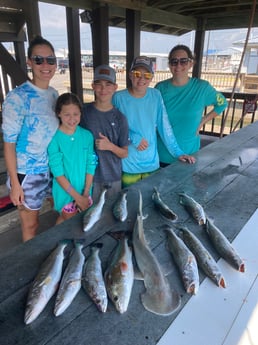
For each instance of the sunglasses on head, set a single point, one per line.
(39, 60)
(145, 75)
(181, 61)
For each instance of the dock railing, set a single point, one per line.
(241, 112)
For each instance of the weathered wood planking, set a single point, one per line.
(223, 180)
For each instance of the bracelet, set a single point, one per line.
(69, 189)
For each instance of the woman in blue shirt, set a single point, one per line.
(29, 122)
(185, 100)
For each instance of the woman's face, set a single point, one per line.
(43, 69)
(180, 63)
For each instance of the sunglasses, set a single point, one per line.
(39, 60)
(181, 61)
(146, 75)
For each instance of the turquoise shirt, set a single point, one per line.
(29, 121)
(185, 106)
(146, 116)
(72, 156)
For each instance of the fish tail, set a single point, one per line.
(192, 289)
(66, 241)
(159, 305)
(222, 283)
(242, 267)
(79, 242)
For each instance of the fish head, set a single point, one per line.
(119, 293)
(121, 301)
(101, 303)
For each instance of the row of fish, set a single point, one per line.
(47, 281)
(188, 251)
(116, 283)
(93, 214)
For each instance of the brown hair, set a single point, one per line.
(38, 40)
(181, 47)
(66, 99)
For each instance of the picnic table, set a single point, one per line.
(224, 181)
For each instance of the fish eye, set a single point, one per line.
(116, 298)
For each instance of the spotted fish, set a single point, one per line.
(163, 208)
(224, 247)
(203, 257)
(120, 211)
(93, 214)
(71, 281)
(93, 280)
(185, 261)
(45, 284)
(193, 207)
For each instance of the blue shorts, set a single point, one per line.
(36, 189)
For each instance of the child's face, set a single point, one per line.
(141, 78)
(70, 117)
(104, 90)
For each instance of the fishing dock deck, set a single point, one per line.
(224, 181)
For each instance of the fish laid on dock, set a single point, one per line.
(204, 259)
(193, 207)
(159, 297)
(120, 211)
(223, 246)
(71, 281)
(185, 261)
(93, 280)
(163, 208)
(93, 214)
(45, 284)
(119, 275)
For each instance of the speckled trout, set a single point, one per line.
(185, 261)
(92, 215)
(158, 298)
(119, 275)
(120, 206)
(193, 207)
(163, 208)
(223, 246)
(71, 281)
(203, 257)
(93, 280)
(45, 284)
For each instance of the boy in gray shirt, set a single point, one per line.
(110, 130)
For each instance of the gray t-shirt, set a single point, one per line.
(113, 124)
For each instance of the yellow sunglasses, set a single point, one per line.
(145, 75)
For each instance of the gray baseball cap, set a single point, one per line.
(142, 61)
(105, 72)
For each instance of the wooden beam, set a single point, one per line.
(133, 19)
(11, 67)
(100, 39)
(31, 13)
(74, 48)
(198, 49)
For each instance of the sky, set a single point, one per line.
(53, 27)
